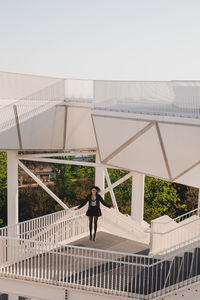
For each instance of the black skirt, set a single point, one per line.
(93, 211)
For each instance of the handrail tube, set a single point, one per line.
(173, 229)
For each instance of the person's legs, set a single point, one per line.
(95, 227)
(90, 226)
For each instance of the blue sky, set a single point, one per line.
(101, 39)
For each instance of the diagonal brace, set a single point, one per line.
(42, 185)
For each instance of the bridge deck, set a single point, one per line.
(107, 241)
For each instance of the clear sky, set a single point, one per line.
(101, 39)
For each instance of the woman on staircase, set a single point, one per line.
(94, 211)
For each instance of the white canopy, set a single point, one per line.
(149, 127)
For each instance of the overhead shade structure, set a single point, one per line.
(42, 113)
(150, 127)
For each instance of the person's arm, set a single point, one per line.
(83, 203)
(103, 202)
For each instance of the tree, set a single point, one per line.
(162, 197)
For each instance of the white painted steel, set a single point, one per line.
(63, 154)
(137, 199)
(62, 161)
(32, 290)
(116, 183)
(99, 174)
(12, 297)
(121, 225)
(12, 186)
(169, 235)
(111, 190)
(84, 268)
(107, 272)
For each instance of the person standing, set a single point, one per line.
(94, 211)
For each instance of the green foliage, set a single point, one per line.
(162, 197)
(72, 184)
(35, 202)
(122, 191)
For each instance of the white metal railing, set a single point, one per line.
(171, 234)
(166, 98)
(123, 225)
(107, 272)
(57, 227)
(39, 253)
(66, 224)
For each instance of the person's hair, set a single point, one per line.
(95, 187)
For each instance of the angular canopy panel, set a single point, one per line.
(148, 127)
(44, 131)
(36, 113)
(191, 177)
(79, 129)
(114, 132)
(15, 86)
(144, 155)
(182, 146)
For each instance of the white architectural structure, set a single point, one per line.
(146, 128)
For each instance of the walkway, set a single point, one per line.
(107, 241)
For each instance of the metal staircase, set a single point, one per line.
(122, 274)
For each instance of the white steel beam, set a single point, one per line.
(12, 198)
(12, 186)
(111, 189)
(32, 289)
(42, 185)
(65, 162)
(116, 183)
(74, 153)
(137, 201)
(99, 175)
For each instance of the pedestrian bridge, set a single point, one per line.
(145, 128)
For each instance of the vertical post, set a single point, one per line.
(199, 204)
(99, 174)
(12, 200)
(137, 201)
(12, 187)
(12, 297)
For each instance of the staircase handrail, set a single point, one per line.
(181, 217)
(175, 228)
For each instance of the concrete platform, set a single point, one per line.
(107, 241)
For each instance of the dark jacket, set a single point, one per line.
(98, 199)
